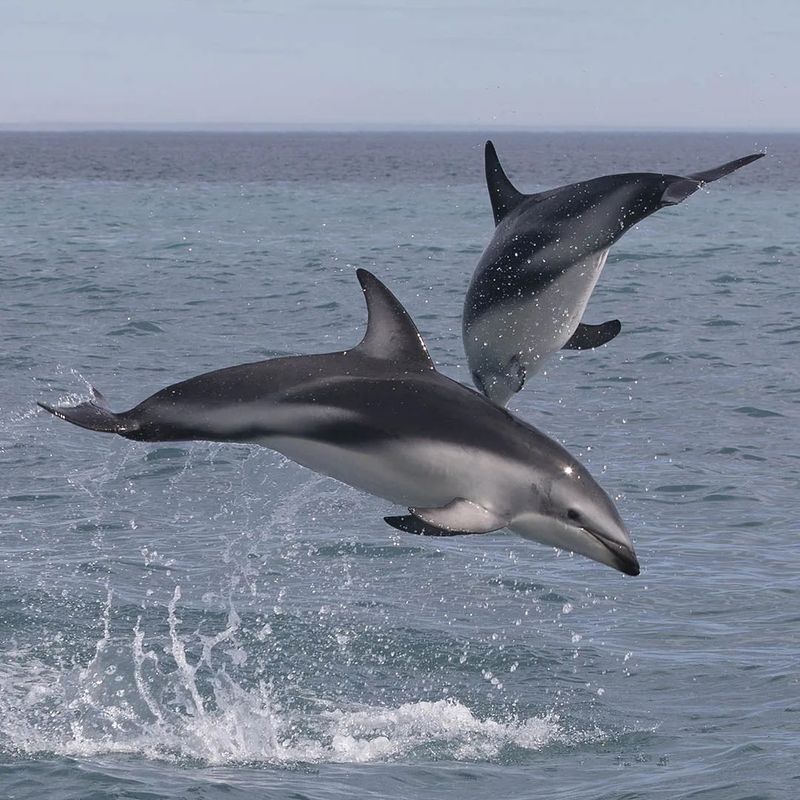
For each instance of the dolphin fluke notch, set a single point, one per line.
(391, 333)
(710, 175)
(94, 415)
(503, 194)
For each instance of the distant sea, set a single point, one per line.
(211, 621)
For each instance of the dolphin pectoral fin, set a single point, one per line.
(587, 337)
(461, 515)
(725, 169)
(503, 194)
(458, 518)
(411, 524)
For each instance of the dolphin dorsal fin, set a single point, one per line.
(502, 193)
(391, 333)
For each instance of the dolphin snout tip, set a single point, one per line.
(628, 563)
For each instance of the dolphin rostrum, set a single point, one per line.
(380, 417)
(534, 279)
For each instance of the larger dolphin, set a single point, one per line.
(533, 281)
(381, 418)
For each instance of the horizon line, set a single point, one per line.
(361, 127)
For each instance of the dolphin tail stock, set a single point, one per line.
(709, 175)
(94, 414)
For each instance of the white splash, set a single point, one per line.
(378, 733)
(136, 698)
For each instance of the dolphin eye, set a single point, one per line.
(573, 515)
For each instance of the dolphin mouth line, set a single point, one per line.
(625, 559)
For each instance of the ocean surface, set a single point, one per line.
(211, 621)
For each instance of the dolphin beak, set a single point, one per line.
(622, 556)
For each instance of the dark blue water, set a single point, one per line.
(199, 620)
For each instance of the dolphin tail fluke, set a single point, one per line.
(94, 414)
(681, 188)
(725, 169)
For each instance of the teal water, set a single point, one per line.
(203, 620)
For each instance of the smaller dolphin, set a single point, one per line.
(533, 281)
(379, 417)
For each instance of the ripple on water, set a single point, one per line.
(753, 411)
(165, 453)
(367, 550)
(136, 328)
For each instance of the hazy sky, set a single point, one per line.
(482, 63)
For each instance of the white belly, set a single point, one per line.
(414, 473)
(521, 334)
